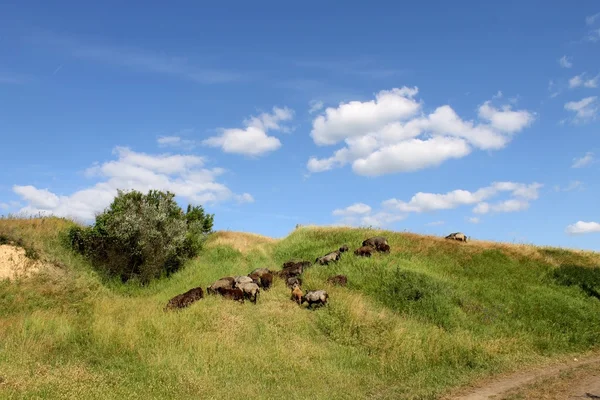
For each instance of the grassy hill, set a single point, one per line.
(430, 316)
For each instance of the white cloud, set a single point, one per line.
(581, 227)
(176, 141)
(573, 185)
(584, 109)
(474, 220)
(4, 206)
(580, 80)
(354, 209)
(520, 195)
(179, 174)
(584, 161)
(593, 35)
(314, 106)
(425, 202)
(565, 62)
(391, 134)
(589, 20)
(253, 140)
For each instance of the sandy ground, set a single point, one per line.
(14, 263)
(578, 379)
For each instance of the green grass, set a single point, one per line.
(431, 316)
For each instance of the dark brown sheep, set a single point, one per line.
(344, 248)
(255, 277)
(185, 299)
(294, 280)
(341, 280)
(266, 281)
(384, 248)
(233, 294)
(364, 251)
(374, 241)
(261, 271)
(289, 272)
(291, 263)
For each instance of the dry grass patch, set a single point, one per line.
(244, 242)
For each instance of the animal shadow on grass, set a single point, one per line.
(586, 278)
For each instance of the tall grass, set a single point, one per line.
(430, 316)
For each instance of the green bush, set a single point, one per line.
(142, 236)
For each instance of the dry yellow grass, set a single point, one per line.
(241, 241)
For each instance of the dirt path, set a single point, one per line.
(570, 380)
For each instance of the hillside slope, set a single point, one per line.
(432, 315)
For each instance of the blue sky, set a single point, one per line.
(432, 117)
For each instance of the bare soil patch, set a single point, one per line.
(572, 380)
(15, 264)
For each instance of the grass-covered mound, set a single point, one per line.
(431, 315)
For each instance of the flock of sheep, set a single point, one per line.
(248, 287)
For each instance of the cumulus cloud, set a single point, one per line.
(520, 195)
(474, 220)
(354, 209)
(253, 140)
(584, 109)
(582, 227)
(391, 133)
(183, 175)
(565, 62)
(425, 202)
(584, 161)
(581, 80)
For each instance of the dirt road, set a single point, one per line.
(578, 379)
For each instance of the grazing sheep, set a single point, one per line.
(261, 271)
(289, 272)
(251, 291)
(341, 280)
(364, 251)
(457, 236)
(385, 248)
(242, 279)
(296, 294)
(266, 281)
(374, 241)
(233, 294)
(329, 257)
(344, 248)
(302, 264)
(318, 297)
(226, 282)
(255, 277)
(185, 299)
(294, 280)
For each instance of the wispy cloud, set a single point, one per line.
(573, 185)
(591, 19)
(582, 80)
(364, 67)
(584, 161)
(7, 78)
(136, 59)
(565, 62)
(585, 109)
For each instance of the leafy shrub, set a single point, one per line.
(142, 236)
